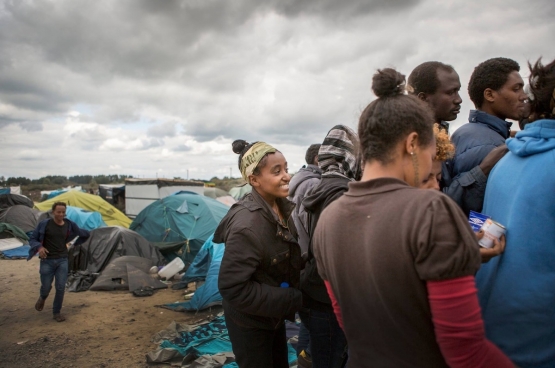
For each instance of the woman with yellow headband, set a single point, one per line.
(260, 270)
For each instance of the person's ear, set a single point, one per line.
(253, 181)
(489, 95)
(422, 96)
(411, 143)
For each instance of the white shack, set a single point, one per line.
(139, 193)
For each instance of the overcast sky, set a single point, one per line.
(162, 88)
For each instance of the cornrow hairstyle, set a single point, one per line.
(492, 73)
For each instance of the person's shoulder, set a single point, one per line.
(44, 222)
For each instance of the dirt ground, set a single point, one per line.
(103, 329)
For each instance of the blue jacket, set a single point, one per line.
(37, 239)
(463, 180)
(517, 289)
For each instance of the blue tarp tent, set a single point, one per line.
(186, 219)
(85, 219)
(205, 266)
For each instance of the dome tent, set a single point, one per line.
(110, 214)
(107, 243)
(22, 216)
(184, 218)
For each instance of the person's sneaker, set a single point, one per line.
(39, 305)
(304, 360)
(59, 318)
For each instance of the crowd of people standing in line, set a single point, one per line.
(370, 242)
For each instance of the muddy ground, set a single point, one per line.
(103, 329)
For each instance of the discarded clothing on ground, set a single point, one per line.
(207, 343)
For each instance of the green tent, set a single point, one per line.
(110, 214)
(180, 222)
(239, 191)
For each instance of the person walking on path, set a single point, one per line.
(50, 240)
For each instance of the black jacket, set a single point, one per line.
(315, 295)
(260, 255)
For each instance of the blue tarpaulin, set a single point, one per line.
(17, 253)
(85, 219)
(210, 339)
(206, 265)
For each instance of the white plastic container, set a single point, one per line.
(171, 268)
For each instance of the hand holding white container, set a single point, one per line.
(492, 231)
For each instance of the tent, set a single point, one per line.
(87, 220)
(8, 200)
(139, 193)
(25, 218)
(10, 190)
(108, 243)
(185, 218)
(127, 273)
(239, 192)
(111, 215)
(206, 266)
(219, 195)
(12, 237)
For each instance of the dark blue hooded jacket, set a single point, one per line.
(463, 180)
(37, 238)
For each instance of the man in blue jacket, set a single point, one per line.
(49, 240)
(497, 91)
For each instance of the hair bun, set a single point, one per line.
(388, 82)
(239, 145)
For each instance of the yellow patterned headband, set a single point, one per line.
(252, 157)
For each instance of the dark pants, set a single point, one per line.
(303, 339)
(258, 348)
(51, 269)
(328, 345)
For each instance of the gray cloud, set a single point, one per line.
(167, 129)
(152, 75)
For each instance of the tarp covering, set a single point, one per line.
(205, 266)
(220, 195)
(127, 273)
(22, 216)
(11, 237)
(239, 192)
(110, 214)
(8, 200)
(108, 243)
(87, 220)
(21, 252)
(181, 217)
(207, 339)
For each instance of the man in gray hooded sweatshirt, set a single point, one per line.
(301, 183)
